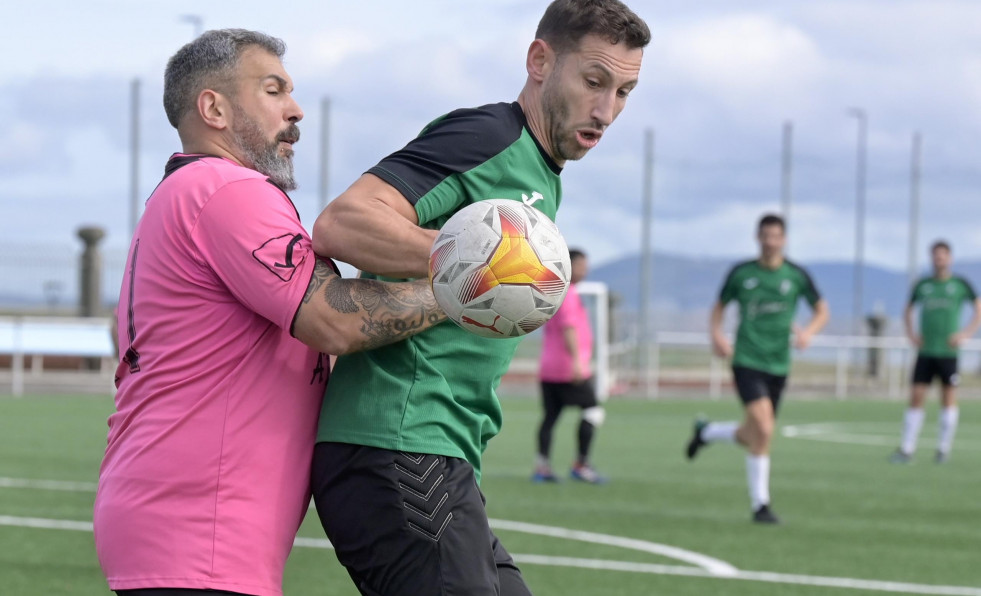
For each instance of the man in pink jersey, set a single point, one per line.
(226, 321)
(567, 379)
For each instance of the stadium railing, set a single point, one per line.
(81, 339)
(839, 366)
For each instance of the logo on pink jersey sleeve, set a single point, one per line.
(277, 255)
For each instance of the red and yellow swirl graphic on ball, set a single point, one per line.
(514, 262)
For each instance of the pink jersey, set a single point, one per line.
(206, 473)
(556, 361)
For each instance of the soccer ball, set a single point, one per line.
(499, 268)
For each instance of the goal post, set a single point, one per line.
(596, 300)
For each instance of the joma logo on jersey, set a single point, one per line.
(535, 197)
(751, 283)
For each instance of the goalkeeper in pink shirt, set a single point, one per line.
(567, 380)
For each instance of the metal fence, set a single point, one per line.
(837, 367)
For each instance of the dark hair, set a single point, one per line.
(940, 244)
(209, 62)
(566, 22)
(771, 219)
(575, 253)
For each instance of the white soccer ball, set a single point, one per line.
(499, 268)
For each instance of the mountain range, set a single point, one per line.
(684, 288)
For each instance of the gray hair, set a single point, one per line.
(209, 62)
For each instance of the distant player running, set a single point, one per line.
(767, 290)
(941, 297)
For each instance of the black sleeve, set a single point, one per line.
(453, 144)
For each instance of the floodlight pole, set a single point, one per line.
(196, 21)
(324, 150)
(646, 259)
(914, 207)
(134, 155)
(786, 171)
(860, 155)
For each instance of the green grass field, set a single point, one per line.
(852, 521)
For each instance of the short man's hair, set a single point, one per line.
(771, 219)
(566, 22)
(209, 62)
(575, 253)
(941, 244)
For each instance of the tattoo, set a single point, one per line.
(389, 311)
(339, 297)
(321, 273)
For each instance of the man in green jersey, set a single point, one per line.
(403, 428)
(941, 298)
(767, 290)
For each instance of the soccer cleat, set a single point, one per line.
(544, 475)
(941, 457)
(587, 473)
(696, 441)
(764, 515)
(900, 457)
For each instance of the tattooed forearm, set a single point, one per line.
(338, 296)
(321, 273)
(390, 312)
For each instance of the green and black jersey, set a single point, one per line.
(767, 301)
(436, 392)
(940, 312)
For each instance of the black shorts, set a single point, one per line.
(755, 384)
(407, 524)
(929, 367)
(580, 394)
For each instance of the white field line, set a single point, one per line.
(759, 576)
(624, 566)
(83, 487)
(832, 432)
(713, 566)
(606, 565)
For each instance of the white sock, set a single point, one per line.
(720, 431)
(948, 427)
(758, 479)
(541, 461)
(912, 423)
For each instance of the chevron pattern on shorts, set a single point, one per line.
(424, 495)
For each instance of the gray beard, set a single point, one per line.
(264, 157)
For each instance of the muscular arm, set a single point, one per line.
(908, 321)
(821, 315)
(571, 342)
(374, 228)
(339, 316)
(971, 327)
(720, 345)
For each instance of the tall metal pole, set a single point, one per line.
(786, 170)
(914, 207)
(196, 21)
(134, 155)
(324, 150)
(646, 258)
(859, 216)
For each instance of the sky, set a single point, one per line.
(719, 80)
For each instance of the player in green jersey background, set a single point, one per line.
(941, 298)
(767, 290)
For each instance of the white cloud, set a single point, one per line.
(744, 61)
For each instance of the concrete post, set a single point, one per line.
(90, 271)
(90, 280)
